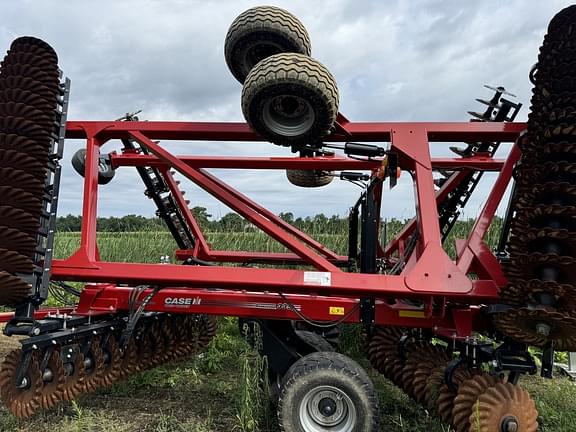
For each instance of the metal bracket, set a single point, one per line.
(367, 311)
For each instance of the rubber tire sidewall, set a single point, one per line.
(309, 178)
(79, 165)
(255, 108)
(303, 377)
(236, 58)
(291, 36)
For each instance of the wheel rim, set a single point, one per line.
(326, 408)
(288, 115)
(258, 52)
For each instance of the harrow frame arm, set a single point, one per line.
(432, 276)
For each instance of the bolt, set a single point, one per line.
(509, 424)
(36, 331)
(23, 383)
(512, 427)
(543, 329)
(34, 347)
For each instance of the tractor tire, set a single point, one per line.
(261, 32)
(105, 171)
(314, 340)
(290, 99)
(327, 391)
(309, 178)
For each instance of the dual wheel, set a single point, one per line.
(288, 97)
(327, 391)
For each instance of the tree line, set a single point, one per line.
(229, 222)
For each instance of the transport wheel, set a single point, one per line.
(261, 32)
(327, 391)
(309, 178)
(290, 99)
(105, 171)
(314, 340)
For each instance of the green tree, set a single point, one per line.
(287, 217)
(202, 217)
(232, 222)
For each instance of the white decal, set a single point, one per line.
(318, 278)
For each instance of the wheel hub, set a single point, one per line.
(327, 407)
(288, 115)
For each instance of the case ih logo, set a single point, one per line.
(182, 301)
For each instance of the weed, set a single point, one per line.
(8, 422)
(253, 410)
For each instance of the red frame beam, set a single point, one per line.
(356, 131)
(430, 276)
(130, 159)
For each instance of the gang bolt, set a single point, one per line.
(510, 425)
(23, 384)
(543, 329)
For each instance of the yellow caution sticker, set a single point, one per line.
(334, 310)
(411, 314)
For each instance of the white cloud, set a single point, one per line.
(394, 61)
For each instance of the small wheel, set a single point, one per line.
(309, 178)
(290, 99)
(327, 391)
(261, 32)
(105, 171)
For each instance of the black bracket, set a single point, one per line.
(449, 373)
(367, 311)
(515, 358)
(547, 370)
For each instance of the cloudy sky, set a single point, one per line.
(394, 60)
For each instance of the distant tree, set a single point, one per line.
(202, 216)
(69, 223)
(232, 222)
(287, 217)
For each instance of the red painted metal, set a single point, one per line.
(429, 275)
(355, 131)
(39, 314)
(333, 163)
(104, 299)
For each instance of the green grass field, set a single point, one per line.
(218, 390)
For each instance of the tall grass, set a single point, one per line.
(149, 246)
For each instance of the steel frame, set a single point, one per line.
(326, 292)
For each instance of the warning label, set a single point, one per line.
(318, 278)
